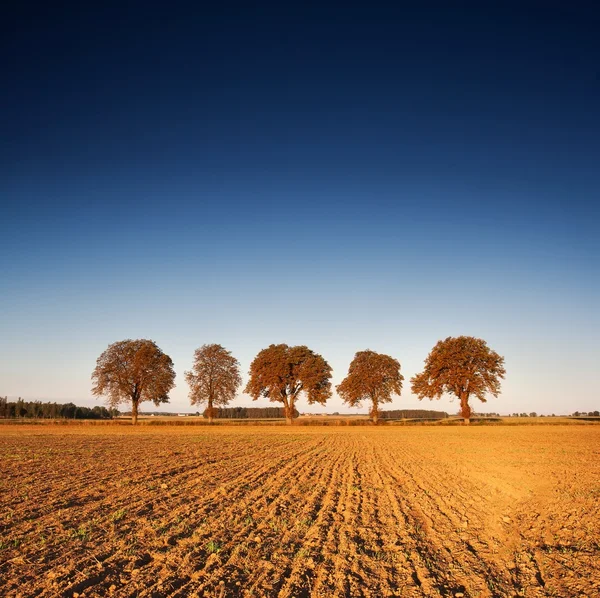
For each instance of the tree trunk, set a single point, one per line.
(375, 413)
(289, 412)
(465, 409)
(134, 412)
(210, 410)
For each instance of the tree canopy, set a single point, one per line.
(463, 366)
(280, 373)
(371, 376)
(214, 379)
(136, 371)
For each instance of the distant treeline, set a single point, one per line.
(575, 414)
(250, 413)
(412, 414)
(37, 409)
(279, 413)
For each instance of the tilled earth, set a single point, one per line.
(300, 511)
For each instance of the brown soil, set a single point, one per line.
(259, 511)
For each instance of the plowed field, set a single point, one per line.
(263, 511)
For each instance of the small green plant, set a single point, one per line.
(118, 515)
(381, 555)
(82, 533)
(277, 523)
(305, 522)
(213, 547)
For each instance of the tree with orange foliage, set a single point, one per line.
(372, 377)
(136, 371)
(463, 366)
(280, 373)
(214, 379)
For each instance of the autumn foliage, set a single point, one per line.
(371, 377)
(214, 379)
(133, 371)
(281, 373)
(463, 366)
(137, 370)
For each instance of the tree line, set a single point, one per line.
(248, 413)
(413, 414)
(39, 410)
(575, 414)
(134, 371)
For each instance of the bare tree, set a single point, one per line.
(214, 379)
(136, 371)
(372, 377)
(280, 373)
(462, 366)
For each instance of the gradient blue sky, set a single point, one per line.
(344, 177)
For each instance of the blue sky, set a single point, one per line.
(340, 179)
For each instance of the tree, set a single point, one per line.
(463, 366)
(136, 371)
(372, 377)
(214, 379)
(22, 411)
(280, 373)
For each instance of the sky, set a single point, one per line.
(344, 176)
